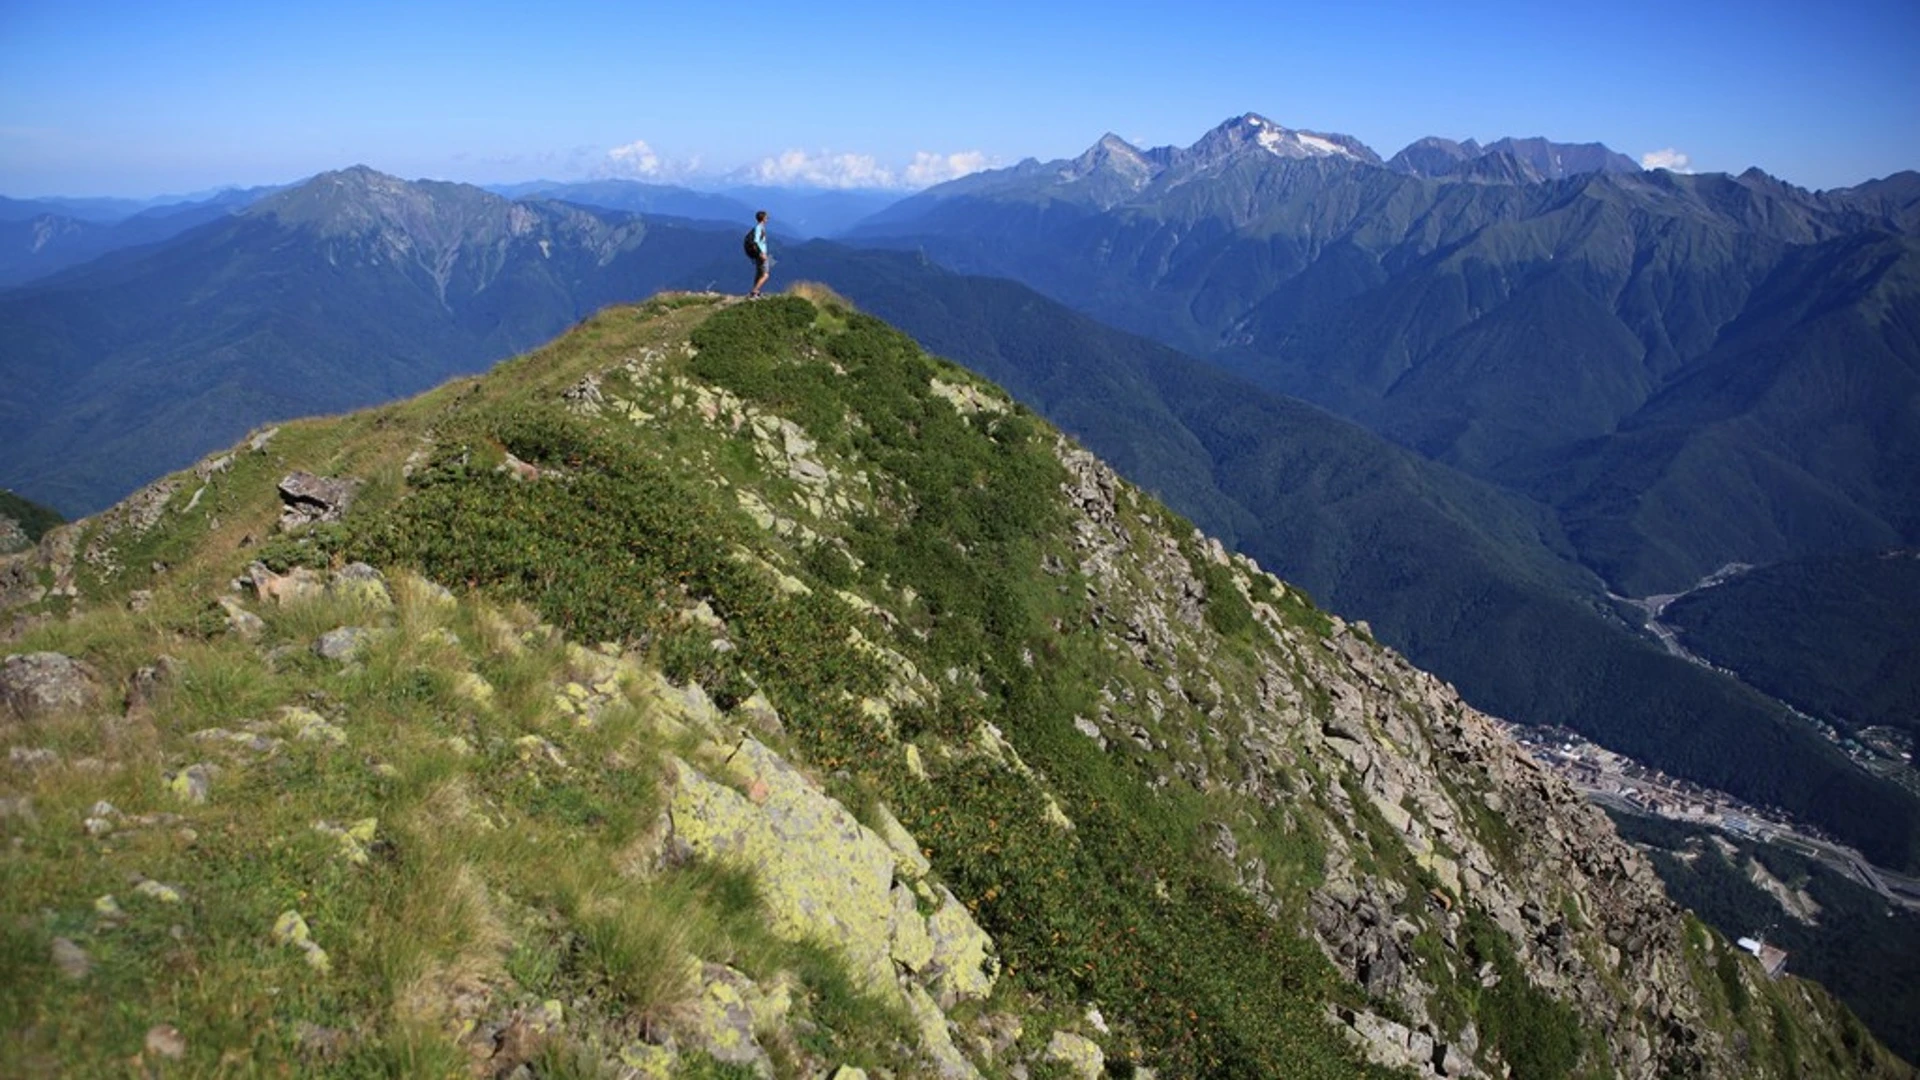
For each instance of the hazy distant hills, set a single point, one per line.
(350, 289)
(663, 200)
(40, 237)
(797, 212)
(1691, 369)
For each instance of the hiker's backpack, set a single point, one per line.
(753, 249)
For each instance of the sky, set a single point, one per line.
(164, 96)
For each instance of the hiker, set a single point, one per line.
(757, 251)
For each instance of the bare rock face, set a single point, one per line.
(306, 499)
(37, 684)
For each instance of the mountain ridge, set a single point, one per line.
(1118, 757)
(1491, 326)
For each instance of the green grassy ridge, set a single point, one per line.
(631, 520)
(982, 488)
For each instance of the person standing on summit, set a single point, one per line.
(758, 251)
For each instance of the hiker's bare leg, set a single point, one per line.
(760, 280)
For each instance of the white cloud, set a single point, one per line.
(825, 169)
(634, 160)
(1669, 159)
(930, 169)
(639, 161)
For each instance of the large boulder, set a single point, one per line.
(306, 499)
(36, 684)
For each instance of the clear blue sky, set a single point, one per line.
(166, 96)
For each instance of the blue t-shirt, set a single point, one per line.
(760, 239)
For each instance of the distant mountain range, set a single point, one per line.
(797, 212)
(41, 236)
(357, 287)
(1508, 160)
(1690, 370)
(350, 289)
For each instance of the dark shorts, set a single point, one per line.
(760, 263)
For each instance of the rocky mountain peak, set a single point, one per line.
(1529, 160)
(1555, 160)
(1433, 156)
(423, 215)
(1253, 133)
(1117, 157)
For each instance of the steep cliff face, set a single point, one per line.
(805, 708)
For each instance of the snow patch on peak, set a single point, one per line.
(1281, 142)
(1320, 146)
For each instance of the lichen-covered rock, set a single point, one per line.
(963, 966)
(937, 1038)
(1079, 1055)
(473, 688)
(194, 783)
(344, 643)
(729, 1011)
(825, 875)
(241, 622)
(355, 840)
(155, 890)
(675, 709)
(913, 862)
(650, 1062)
(759, 714)
(291, 929)
(361, 584)
(38, 684)
(309, 726)
(912, 946)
